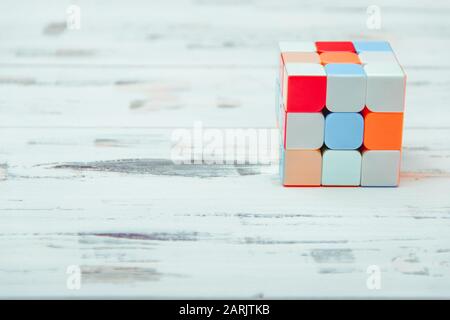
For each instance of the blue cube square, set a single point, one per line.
(344, 130)
(361, 46)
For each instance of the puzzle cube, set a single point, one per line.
(339, 111)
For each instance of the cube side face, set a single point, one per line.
(341, 168)
(279, 108)
(380, 168)
(281, 162)
(383, 131)
(344, 131)
(304, 131)
(302, 168)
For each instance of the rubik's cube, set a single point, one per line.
(340, 113)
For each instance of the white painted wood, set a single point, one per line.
(86, 119)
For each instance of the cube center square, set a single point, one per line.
(346, 87)
(304, 87)
(344, 130)
(339, 57)
(339, 111)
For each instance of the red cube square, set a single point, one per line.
(304, 87)
(325, 46)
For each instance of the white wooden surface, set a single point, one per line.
(85, 176)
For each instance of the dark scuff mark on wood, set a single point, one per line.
(258, 240)
(24, 81)
(121, 274)
(137, 104)
(336, 270)
(54, 28)
(154, 236)
(332, 255)
(69, 52)
(163, 167)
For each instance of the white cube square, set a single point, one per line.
(346, 87)
(386, 84)
(304, 131)
(297, 46)
(380, 168)
(377, 56)
(341, 168)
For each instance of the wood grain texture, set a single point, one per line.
(86, 179)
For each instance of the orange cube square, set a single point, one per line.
(383, 130)
(339, 57)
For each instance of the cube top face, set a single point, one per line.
(342, 101)
(324, 46)
(297, 46)
(339, 57)
(361, 46)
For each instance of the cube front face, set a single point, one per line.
(340, 113)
